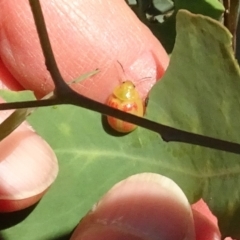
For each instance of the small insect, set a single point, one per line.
(125, 98)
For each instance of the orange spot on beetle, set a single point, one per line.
(125, 98)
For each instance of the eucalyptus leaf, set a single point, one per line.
(211, 8)
(200, 93)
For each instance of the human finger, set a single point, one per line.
(85, 35)
(28, 166)
(143, 206)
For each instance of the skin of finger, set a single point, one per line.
(7, 81)
(85, 35)
(146, 206)
(205, 229)
(9, 201)
(202, 207)
(28, 166)
(7, 206)
(205, 222)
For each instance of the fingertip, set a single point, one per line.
(203, 208)
(205, 229)
(28, 166)
(147, 206)
(73, 40)
(7, 81)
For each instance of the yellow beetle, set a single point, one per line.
(125, 98)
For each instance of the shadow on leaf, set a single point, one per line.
(110, 130)
(65, 236)
(8, 220)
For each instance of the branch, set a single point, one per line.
(60, 85)
(167, 133)
(31, 104)
(231, 18)
(65, 95)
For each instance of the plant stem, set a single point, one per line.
(231, 18)
(31, 104)
(60, 85)
(167, 133)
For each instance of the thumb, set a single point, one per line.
(85, 35)
(143, 206)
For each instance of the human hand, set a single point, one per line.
(86, 35)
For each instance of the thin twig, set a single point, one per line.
(231, 18)
(167, 133)
(31, 104)
(60, 85)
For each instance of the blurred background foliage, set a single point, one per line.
(160, 16)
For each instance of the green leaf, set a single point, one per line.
(211, 8)
(12, 96)
(200, 93)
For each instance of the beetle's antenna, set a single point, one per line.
(124, 72)
(121, 66)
